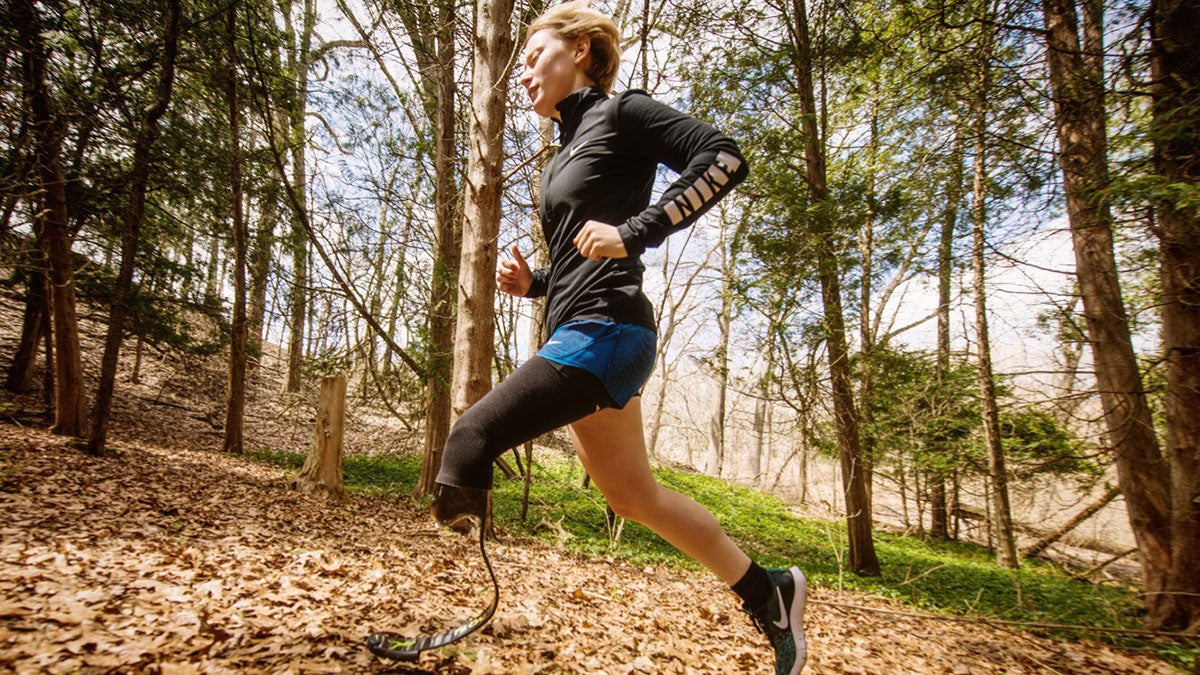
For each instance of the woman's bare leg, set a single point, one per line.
(612, 446)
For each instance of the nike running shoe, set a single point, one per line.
(782, 620)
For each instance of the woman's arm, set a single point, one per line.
(709, 165)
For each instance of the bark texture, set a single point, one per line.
(1078, 93)
(69, 418)
(475, 328)
(1175, 62)
(863, 559)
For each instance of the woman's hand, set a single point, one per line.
(599, 240)
(513, 275)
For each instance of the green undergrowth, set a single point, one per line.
(950, 577)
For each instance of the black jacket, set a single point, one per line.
(604, 170)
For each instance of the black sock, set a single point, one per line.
(754, 588)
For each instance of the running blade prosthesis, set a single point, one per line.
(408, 648)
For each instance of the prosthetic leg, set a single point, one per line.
(459, 509)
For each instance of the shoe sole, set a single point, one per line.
(796, 619)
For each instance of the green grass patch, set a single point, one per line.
(950, 577)
(380, 476)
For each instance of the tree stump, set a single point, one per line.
(322, 470)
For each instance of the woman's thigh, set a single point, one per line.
(612, 446)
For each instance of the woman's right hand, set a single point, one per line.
(513, 275)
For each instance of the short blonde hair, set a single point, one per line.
(573, 20)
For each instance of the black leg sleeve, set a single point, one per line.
(538, 397)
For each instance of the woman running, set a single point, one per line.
(598, 218)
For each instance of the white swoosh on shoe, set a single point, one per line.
(782, 622)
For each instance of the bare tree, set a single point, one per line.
(475, 328)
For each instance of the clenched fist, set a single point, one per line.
(599, 240)
(513, 275)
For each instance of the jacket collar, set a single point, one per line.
(572, 108)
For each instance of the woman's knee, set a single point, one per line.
(638, 505)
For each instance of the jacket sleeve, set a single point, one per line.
(708, 162)
(541, 282)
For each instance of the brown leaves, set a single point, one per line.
(184, 561)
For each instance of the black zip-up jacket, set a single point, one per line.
(610, 149)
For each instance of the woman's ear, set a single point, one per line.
(583, 49)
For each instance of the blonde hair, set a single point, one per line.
(573, 20)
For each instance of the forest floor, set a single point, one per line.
(170, 557)
(178, 560)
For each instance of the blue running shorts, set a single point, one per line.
(621, 355)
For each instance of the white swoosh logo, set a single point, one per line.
(577, 149)
(782, 623)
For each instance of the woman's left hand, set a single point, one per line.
(599, 240)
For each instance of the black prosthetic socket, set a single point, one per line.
(538, 397)
(454, 507)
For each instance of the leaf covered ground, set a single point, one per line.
(170, 557)
(174, 559)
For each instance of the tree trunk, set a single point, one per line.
(135, 376)
(664, 318)
(938, 510)
(537, 324)
(760, 453)
(260, 265)
(20, 374)
(866, 247)
(541, 251)
(716, 426)
(1071, 347)
(475, 329)
(298, 57)
(235, 401)
(863, 559)
(69, 418)
(131, 234)
(212, 279)
(1175, 64)
(447, 251)
(322, 470)
(49, 373)
(1078, 94)
(1001, 514)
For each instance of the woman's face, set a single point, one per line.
(554, 68)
